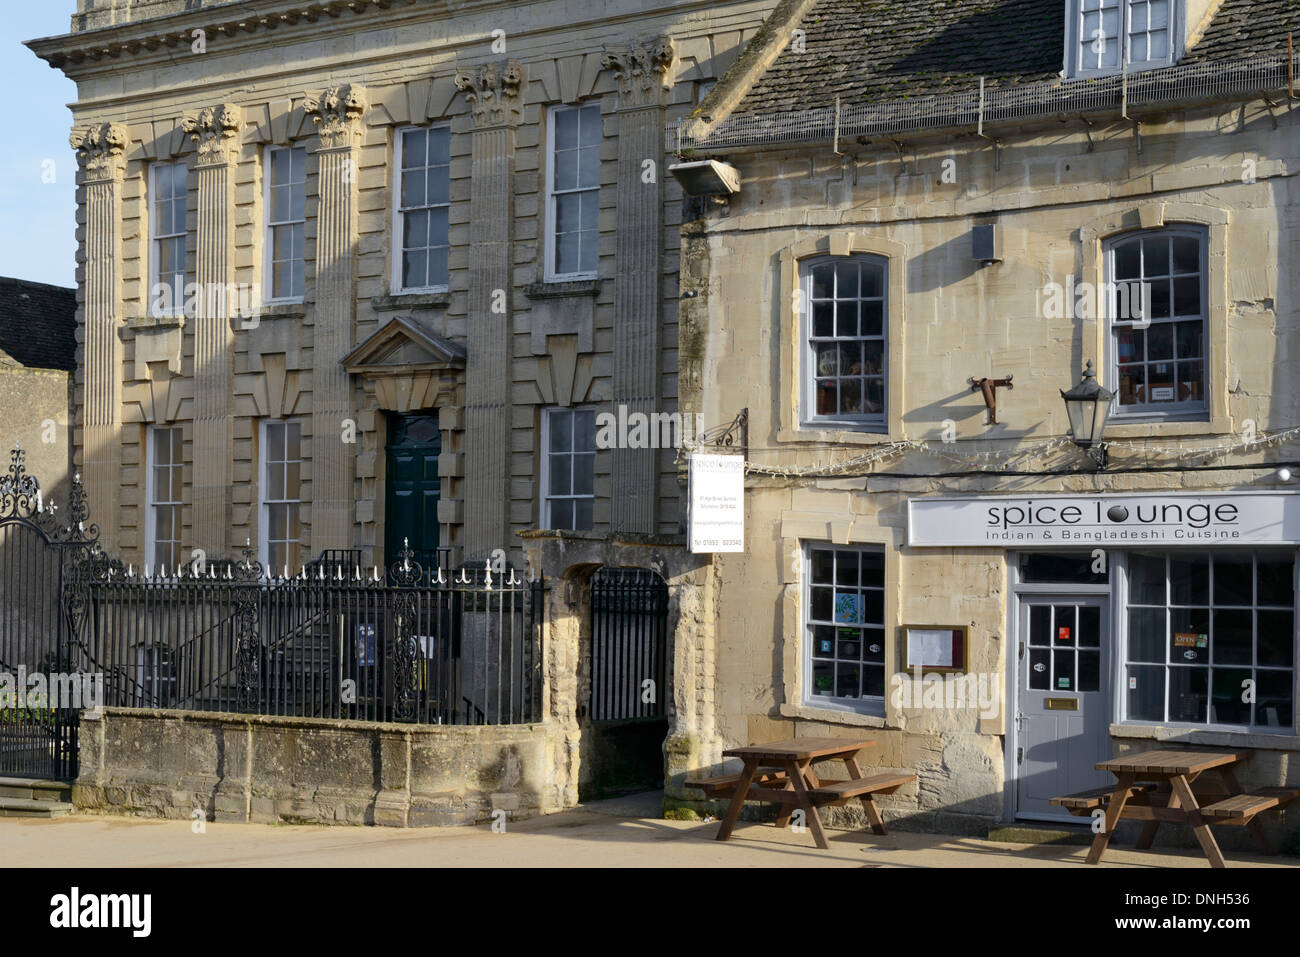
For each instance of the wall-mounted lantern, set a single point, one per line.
(1088, 407)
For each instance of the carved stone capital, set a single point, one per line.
(99, 149)
(216, 131)
(337, 114)
(643, 69)
(495, 94)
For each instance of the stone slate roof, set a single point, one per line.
(1246, 28)
(38, 324)
(894, 49)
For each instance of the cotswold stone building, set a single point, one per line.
(938, 205)
(353, 273)
(37, 356)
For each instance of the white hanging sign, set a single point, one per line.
(717, 503)
(1171, 518)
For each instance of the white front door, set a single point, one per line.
(1063, 700)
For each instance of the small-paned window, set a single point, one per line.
(169, 184)
(281, 495)
(573, 192)
(424, 208)
(286, 220)
(845, 340)
(1157, 319)
(1105, 36)
(844, 628)
(568, 468)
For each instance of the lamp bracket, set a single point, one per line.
(990, 389)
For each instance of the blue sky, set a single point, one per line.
(38, 240)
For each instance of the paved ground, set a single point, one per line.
(593, 835)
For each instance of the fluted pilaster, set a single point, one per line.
(215, 132)
(495, 97)
(643, 70)
(337, 113)
(100, 152)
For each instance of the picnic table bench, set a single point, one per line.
(1155, 787)
(781, 773)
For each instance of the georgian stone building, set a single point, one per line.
(940, 207)
(357, 272)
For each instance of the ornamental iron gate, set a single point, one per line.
(625, 718)
(44, 570)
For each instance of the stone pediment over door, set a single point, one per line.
(410, 366)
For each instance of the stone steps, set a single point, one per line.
(35, 789)
(25, 807)
(31, 797)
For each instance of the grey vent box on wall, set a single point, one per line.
(985, 245)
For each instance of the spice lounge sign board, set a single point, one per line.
(1243, 518)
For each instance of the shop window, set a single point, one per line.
(844, 632)
(1211, 639)
(1105, 36)
(845, 340)
(1156, 313)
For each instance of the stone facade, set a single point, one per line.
(1055, 192)
(343, 88)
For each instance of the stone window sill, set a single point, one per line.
(833, 716)
(282, 310)
(834, 436)
(1166, 428)
(266, 314)
(1208, 738)
(410, 300)
(561, 290)
(148, 322)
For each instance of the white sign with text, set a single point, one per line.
(1171, 518)
(717, 506)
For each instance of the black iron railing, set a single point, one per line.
(406, 645)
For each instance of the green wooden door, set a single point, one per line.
(411, 497)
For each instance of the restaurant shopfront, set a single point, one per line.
(1133, 614)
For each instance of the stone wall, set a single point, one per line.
(246, 768)
(43, 430)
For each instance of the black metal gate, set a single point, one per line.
(627, 707)
(629, 630)
(43, 567)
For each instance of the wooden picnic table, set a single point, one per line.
(1156, 787)
(794, 785)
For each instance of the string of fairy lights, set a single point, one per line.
(1005, 459)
